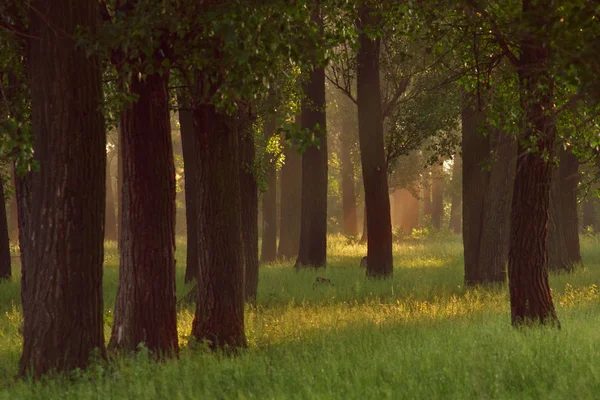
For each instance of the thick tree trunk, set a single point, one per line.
(291, 194)
(249, 210)
(374, 166)
(488, 177)
(110, 221)
(437, 194)
(312, 251)
(63, 308)
(569, 182)
(5, 267)
(455, 223)
(530, 296)
(348, 188)
(145, 305)
(219, 316)
(190, 160)
(269, 203)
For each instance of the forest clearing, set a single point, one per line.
(420, 335)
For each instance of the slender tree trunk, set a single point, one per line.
(374, 166)
(119, 186)
(530, 296)
(63, 308)
(249, 209)
(291, 194)
(455, 209)
(312, 251)
(427, 201)
(13, 220)
(569, 181)
(5, 267)
(190, 161)
(145, 305)
(488, 177)
(219, 316)
(110, 221)
(437, 194)
(269, 203)
(348, 188)
(588, 217)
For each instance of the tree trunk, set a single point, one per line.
(569, 181)
(312, 251)
(219, 316)
(455, 209)
(269, 203)
(119, 187)
(5, 267)
(530, 296)
(249, 210)
(291, 194)
(348, 188)
(145, 305)
(488, 177)
(110, 221)
(588, 217)
(365, 232)
(13, 220)
(437, 194)
(374, 166)
(558, 256)
(63, 308)
(190, 160)
(427, 203)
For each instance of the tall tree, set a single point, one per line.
(558, 256)
(427, 201)
(348, 185)
(569, 181)
(312, 251)
(291, 194)
(530, 296)
(62, 299)
(5, 267)
(269, 201)
(455, 223)
(190, 159)
(437, 197)
(110, 221)
(145, 305)
(370, 132)
(13, 222)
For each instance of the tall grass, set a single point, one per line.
(421, 334)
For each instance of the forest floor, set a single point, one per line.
(420, 335)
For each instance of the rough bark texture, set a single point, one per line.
(5, 267)
(110, 220)
(249, 210)
(348, 188)
(406, 210)
(312, 251)
(268, 251)
(145, 305)
(374, 166)
(569, 182)
(530, 296)
(63, 309)
(437, 195)
(291, 195)
(219, 316)
(190, 160)
(455, 223)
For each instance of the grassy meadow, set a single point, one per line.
(420, 335)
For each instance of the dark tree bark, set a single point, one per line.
(455, 223)
(5, 267)
(145, 306)
(312, 251)
(488, 177)
(63, 308)
(374, 166)
(437, 194)
(13, 220)
(249, 210)
(348, 188)
(269, 203)
(569, 178)
(190, 161)
(530, 296)
(110, 221)
(291, 194)
(119, 187)
(219, 316)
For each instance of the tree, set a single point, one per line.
(374, 166)
(62, 288)
(110, 222)
(5, 267)
(437, 195)
(145, 305)
(291, 195)
(269, 201)
(455, 223)
(569, 181)
(348, 186)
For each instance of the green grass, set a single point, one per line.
(419, 335)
